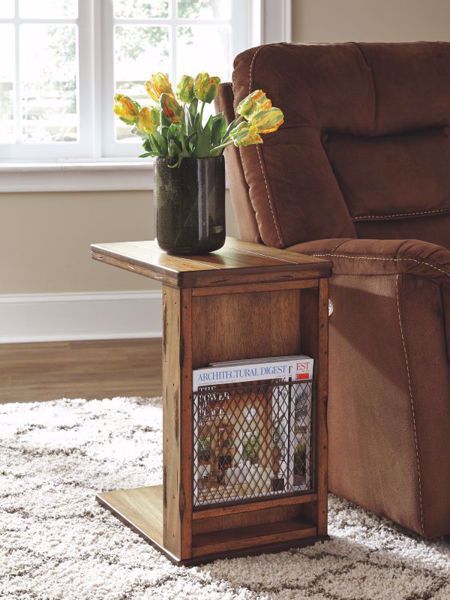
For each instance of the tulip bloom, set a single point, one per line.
(185, 89)
(172, 126)
(171, 108)
(245, 135)
(267, 121)
(206, 87)
(253, 103)
(148, 120)
(158, 84)
(126, 108)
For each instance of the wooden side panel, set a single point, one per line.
(177, 416)
(247, 325)
(315, 343)
(186, 422)
(322, 401)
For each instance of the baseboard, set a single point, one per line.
(79, 316)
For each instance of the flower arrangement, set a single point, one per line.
(172, 126)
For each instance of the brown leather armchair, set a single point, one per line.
(360, 174)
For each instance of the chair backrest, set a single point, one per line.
(365, 148)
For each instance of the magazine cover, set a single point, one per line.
(279, 367)
(252, 429)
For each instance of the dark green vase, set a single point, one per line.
(190, 205)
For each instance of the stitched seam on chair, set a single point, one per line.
(419, 262)
(266, 183)
(341, 242)
(250, 69)
(413, 411)
(407, 214)
(258, 152)
(373, 85)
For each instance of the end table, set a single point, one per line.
(243, 301)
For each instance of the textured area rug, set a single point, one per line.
(56, 542)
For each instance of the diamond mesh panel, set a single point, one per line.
(252, 440)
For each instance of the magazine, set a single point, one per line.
(252, 428)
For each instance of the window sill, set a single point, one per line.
(77, 176)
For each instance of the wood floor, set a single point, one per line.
(98, 369)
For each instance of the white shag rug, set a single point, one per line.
(56, 542)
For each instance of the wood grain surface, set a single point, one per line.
(177, 421)
(143, 507)
(224, 267)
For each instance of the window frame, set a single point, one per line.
(19, 151)
(89, 167)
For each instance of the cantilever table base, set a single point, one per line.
(243, 301)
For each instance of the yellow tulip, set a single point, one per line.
(185, 89)
(171, 108)
(158, 84)
(148, 120)
(254, 102)
(126, 108)
(245, 135)
(267, 121)
(206, 87)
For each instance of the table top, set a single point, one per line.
(236, 262)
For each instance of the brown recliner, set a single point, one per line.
(360, 174)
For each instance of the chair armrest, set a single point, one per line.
(389, 376)
(382, 257)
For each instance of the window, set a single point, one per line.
(65, 59)
(62, 61)
(39, 78)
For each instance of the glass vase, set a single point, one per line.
(190, 205)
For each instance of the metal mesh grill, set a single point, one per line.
(252, 440)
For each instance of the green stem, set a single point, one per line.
(234, 124)
(223, 145)
(201, 113)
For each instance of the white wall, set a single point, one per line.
(370, 20)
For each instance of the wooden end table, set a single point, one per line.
(243, 301)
